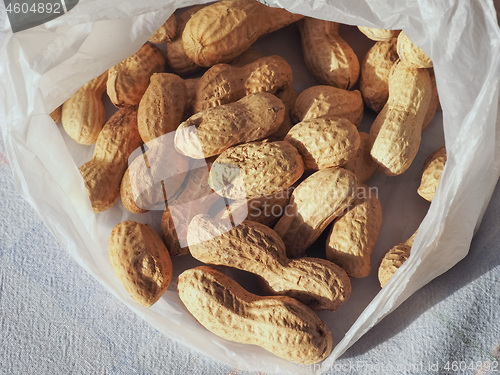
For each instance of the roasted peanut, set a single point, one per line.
(379, 35)
(256, 248)
(224, 83)
(280, 325)
(177, 60)
(103, 173)
(353, 235)
(140, 261)
(395, 134)
(128, 80)
(324, 142)
(288, 95)
(394, 259)
(375, 68)
(328, 57)
(314, 204)
(432, 171)
(328, 101)
(362, 164)
(166, 32)
(83, 113)
(222, 31)
(256, 169)
(210, 132)
(162, 106)
(410, 54)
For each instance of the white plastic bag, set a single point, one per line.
(42, 66)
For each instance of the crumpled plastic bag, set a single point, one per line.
(42, 66)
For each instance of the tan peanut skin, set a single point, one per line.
(431, 175)
(328, 101)
(375, 69)
(166, 32)
(256, 248)
(324, 142)
(395, 134)
(394, 259)
(362, 164)
(56, 114)
(177, 60)
(314, 204)
(266, 210)
(256, 169)
(410, 54)
(129, 79)
(140, 261)
(379, 35)
(222, 31)
(103, 173)
(82, 115)
(254, 117)
(352, 236)
(162, 106)
(279, 324)
(224, 83)
(327, 55)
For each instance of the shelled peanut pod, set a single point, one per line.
(327, 55)
(82, 115)
(226, 309)
(223, 30)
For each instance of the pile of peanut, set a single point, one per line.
(299, 152)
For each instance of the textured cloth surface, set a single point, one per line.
(56, 319)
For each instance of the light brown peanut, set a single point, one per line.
(128, 80)
(222, 31)
(410, 54)
(210, 132)
(327, 55)
(394, 259)
(431, 175)
(256, 248)
(224, 83)
(83, 113)
(353, 235)
(324, 142)
(379, 35)
(140, 261)
(280, 325)
(375, 69)
(256, 169)
(162, 106)
(166, 32)
(328, 101)
(177, 60)
(103, 173)
(395, 134)
(314, 204)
